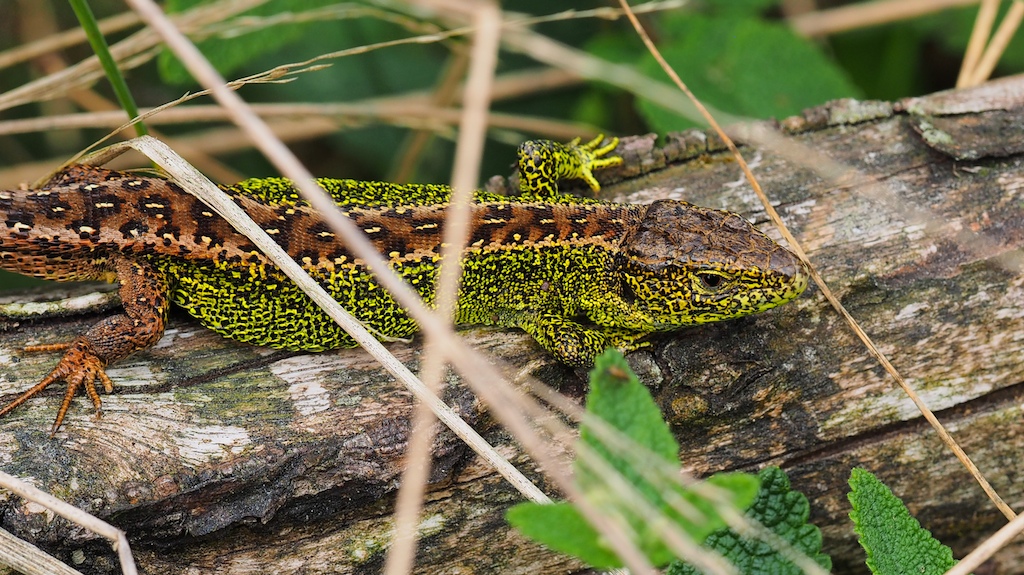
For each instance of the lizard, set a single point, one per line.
(578, 274)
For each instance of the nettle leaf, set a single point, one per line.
(559, 526)
(781, 511)
(744, 66)
(228, 54)
(894, 541)
(618, 398)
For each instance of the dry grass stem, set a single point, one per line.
(988, 548)
(996, 47)
(865, 14)
(66, 39)
(29, 559)
(75, 515)
(979, 37)
(483, 61)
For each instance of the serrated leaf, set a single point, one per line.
(894, 541)
(559, 526)
(743, 66)
(781, 511)
(620, 400)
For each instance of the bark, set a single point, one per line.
(223, 458)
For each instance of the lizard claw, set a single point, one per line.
(79, 367)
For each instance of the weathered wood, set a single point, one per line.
(223, 458)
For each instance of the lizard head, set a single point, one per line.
(686, 265)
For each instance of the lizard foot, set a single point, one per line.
(79, 367)
(592, 157)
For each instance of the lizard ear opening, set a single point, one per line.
(626, 291)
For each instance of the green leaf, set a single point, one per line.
(782, 512)
(560, 526)
(617, 397)
(895, 542)
(742, 7)
(743, 66)
(228, 54)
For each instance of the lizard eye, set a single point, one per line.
(711, 281)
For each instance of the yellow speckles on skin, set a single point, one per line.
(495, 221)
(547, 221)
(155, 206)
(207, 214)
(91, 187)
(395, 255)
(325, 234)
(517, 237)
(168, 236)
(103, 205)
(205, 239)
(373, 230)
(430, 226)
(40, 194)
(272, 231)
(87, 230)
(135, 183)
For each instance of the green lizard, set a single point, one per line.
(578, 275)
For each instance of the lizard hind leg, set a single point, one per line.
(143, 296)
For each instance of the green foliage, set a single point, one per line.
(895, 542)
(230, 53)
(623, 403)
(745, 66)
(781, 511)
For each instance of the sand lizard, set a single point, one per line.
(579, 275)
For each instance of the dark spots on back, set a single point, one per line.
(133, 229)
(320, 232)
(19, 219)
(85, 230)
(153, 205)
(307, 257)
(135, 185)
(107, 205)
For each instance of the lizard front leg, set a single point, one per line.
(543, 162)
(143, 293)
(576, 344)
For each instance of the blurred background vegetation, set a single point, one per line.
(758, 58)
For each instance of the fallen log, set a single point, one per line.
(219, 457)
